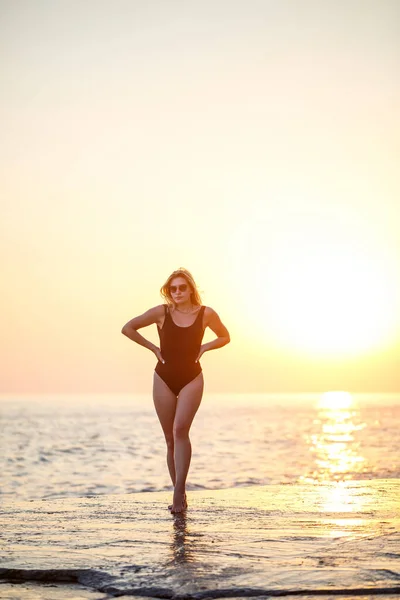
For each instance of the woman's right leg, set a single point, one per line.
(165, 404)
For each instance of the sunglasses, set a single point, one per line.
(174, 288)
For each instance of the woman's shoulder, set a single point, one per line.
(158, 310)
(159, 313)
(208, 313)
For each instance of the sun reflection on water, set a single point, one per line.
(343, 498)
(332, 439)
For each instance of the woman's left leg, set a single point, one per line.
(189, 400)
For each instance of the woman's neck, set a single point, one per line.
(185, 308)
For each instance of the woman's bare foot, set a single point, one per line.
(186, 504)
(179, 503)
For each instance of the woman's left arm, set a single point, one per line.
(216, 325)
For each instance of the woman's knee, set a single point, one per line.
(181, 431)
(169, 440)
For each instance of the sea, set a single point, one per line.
(56, 446)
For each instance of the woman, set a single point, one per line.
(178, 378)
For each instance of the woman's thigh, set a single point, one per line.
(189, 400)
(165, 404)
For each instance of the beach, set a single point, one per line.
(288, 495)
(330, 538)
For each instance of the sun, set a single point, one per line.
(316, 287)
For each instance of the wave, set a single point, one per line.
(115, 586)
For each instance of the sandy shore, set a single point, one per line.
(339, 539)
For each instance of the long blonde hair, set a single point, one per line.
(181, 272)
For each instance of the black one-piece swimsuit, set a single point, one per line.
(179, 347)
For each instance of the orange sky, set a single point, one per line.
(254, 143)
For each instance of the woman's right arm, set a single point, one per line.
(153, 315)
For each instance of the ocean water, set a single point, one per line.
(56, 446)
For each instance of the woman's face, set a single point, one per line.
(179, 290)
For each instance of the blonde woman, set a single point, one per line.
(178, 378)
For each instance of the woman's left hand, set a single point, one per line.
(202, 350)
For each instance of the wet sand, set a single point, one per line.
(303, 540)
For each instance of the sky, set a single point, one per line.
(253, 142)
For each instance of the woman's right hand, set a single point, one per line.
(157, 352)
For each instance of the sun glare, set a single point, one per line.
(335, 400)
(334, 301)
(324, 289)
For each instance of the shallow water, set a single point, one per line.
(251, 542)
(58, 446)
